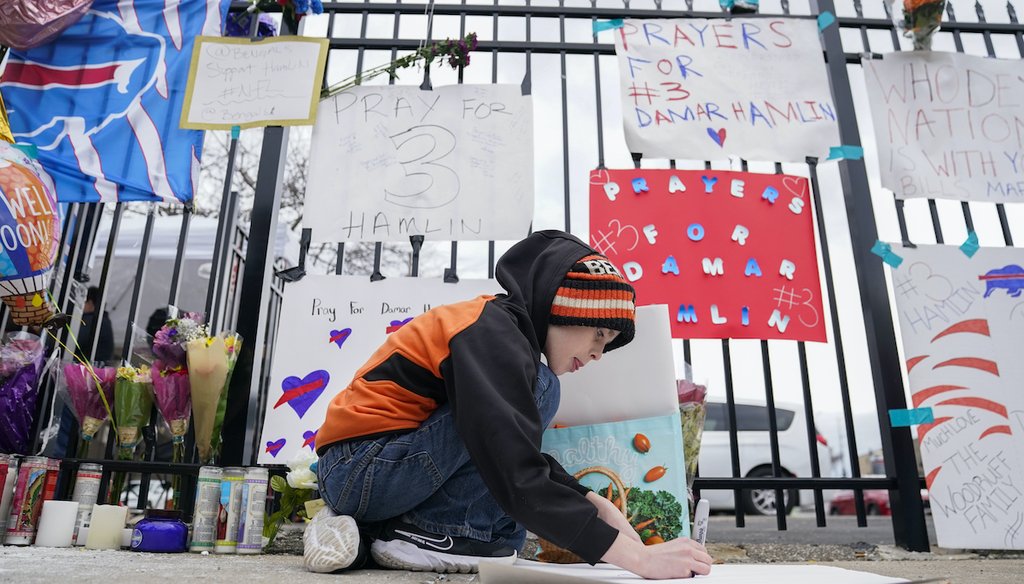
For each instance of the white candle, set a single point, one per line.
(57, 524)
(106, 527)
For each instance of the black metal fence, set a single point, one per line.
(550, 48)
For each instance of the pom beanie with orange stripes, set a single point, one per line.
(595, 294)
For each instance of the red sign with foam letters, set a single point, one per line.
(733, 254)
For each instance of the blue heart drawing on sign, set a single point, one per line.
(339, 337)
(301, 394)
(274, 447)
(717, 135)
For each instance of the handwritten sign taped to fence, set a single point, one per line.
(948, 125)
(711, 88)
(962, 324)
(732, 254)
(329, 327)
(454, 163)
(238, 82)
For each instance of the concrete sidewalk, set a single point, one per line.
(79, 566)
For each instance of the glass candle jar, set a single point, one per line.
(161, 531)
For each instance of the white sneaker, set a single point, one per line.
(403, 546)
(331, 543)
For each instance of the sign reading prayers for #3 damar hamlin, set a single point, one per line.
(732, 254)
(948, 125)
(962, 324)
(708, 89)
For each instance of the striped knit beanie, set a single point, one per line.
(595, 294)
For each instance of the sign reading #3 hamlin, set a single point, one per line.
(713, 88)
(454, 163)
(948, 125)
(962, 324)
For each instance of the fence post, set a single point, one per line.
(908, 523)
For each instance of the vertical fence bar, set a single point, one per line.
(179, 257)
(909, 528)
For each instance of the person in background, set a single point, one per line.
(87, 332)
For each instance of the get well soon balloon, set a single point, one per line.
(29, 236)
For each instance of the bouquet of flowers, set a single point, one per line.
(21, 360)
(692, 411)
(92, 392)
(918, 19)
(133, 405)
(210, 363)
(233, 345)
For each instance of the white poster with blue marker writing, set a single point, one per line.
(453, 163)
(708, 89)
(962, 323)
(329, 327)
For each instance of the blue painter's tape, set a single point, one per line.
(903, 418)
(884, 251)
(600, 25)
(235, 132)
(847, 152)
(826, 19)
(970, 247)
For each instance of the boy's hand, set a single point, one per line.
(613, 516)
(677, 558)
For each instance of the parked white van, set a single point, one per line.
(755, 453)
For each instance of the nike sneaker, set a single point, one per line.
(403, 546)
(332, 543)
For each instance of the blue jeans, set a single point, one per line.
(425, 475)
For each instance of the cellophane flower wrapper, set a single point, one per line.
(133, 406)
(233, 345)
(207, 375)
(21, 360)
(84, 384)
(918, 19)
(692, 412)
(174, 401)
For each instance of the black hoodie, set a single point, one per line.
(482, 357)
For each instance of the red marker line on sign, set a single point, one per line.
(298, 391)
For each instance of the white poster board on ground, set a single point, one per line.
(948, 125)
(329, 327)
(238, 82)
(962, 324)
(707, 89)
(527, 572)
(454, 163)
(635, 381)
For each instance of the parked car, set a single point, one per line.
(753, 441)
(876, 502)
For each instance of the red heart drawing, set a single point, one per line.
(718, 136)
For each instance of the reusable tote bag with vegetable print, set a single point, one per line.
(637, 464)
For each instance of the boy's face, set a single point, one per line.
(568, 348)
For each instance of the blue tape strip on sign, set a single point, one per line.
(235, 132)
(847, 152)
(826, 19)
(600, 25)
(970, 247)
(884, 251)
(902, 418)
